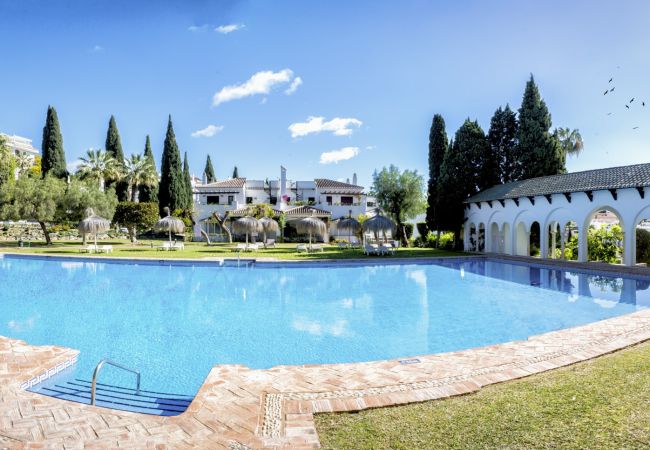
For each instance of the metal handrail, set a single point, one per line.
(114, 364)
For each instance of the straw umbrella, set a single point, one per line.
(269, 226)
(170, 224)
(351, 224)
(311, 225)
(93, 224)
(248, 225)
(378, 223)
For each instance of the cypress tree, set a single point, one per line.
(187, 180)
(235, 173)
(149, 194)
(538, 151)
(114, 149)
(437, 150)
(460, 175)
(171, 190)
(503, 142)
(53, 159)
(209, 171)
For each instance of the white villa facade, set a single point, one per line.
(20, 145)
(500, 219)
(321, 197)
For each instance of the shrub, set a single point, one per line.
(423, 230)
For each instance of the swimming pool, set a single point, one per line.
(174, 322)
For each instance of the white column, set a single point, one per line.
(543, 242)
(488, 238)
(629, 244)
(553, 240)
(583, 249)
(466, 237)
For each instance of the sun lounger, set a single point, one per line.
(88, 249)
(269, 243)
(317, 247)
(386, 250)
(371, 249)
(301, 248)
(105, 249)
(253, 247)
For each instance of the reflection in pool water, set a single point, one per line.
(174, 322)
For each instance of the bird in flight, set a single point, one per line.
(627, 106)
(612, 89)
(610, 80)
(609, 113)
(605, 93)
(634, 128)
(642, 103)
(632, 100)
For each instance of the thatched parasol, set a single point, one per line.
(311, 225)
(248, 225)
(350, 224)
(170, 224)
(378, 224)
(269, 226)
(93, 224)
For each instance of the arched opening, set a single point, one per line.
(534, 239)
(495, 239)
(605, 236)
(473, 238)
(481, 238)
(507, 239)
(569, 246)
(642, 238)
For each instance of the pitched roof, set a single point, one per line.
(327, 184)
(231, 182)
(637, 175)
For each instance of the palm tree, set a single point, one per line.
(138, 170)
(99, 165)
(571, 141)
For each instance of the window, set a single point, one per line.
(274, 200)
(328, 199)
(370, 203)
(249, 200)
(346, 200)
(311, 200)
(231, 198)
(212, 199)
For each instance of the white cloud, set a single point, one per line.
(294, 86)
(259, 83)
(73, 166)
(371, 147)
(339, 126)
(97, 49)
(342, 154)
(198, 28)
(208, 131)
(225, 29)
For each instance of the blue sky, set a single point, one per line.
(382, 68)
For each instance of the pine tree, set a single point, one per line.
(437, 150)
(503, 142)
(235, 173)
(114, 149)
(171, 190)
(187, 180)
(460, 175)
(149, 193)
(53, 160)
(538, 151)
(209, 171)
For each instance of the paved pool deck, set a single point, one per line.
(238, 408)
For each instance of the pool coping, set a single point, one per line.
(238, 407)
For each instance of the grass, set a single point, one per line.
(197, 250)
(599, 404)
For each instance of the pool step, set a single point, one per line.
(116, 397)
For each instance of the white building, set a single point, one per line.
(500, 219)
(324, 198)
(20, 145)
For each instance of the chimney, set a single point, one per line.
(354, 179)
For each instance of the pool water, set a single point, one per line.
(174, 322)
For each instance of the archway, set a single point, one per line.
(495, 239)
(473, 238)
(521, 239)
(605, 237)
(534, 239)
(642, 237)
(480, 241)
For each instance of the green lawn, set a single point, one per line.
(598, 404)
(199, 250)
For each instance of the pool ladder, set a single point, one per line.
(98, 368)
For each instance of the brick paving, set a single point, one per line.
(240, 408)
